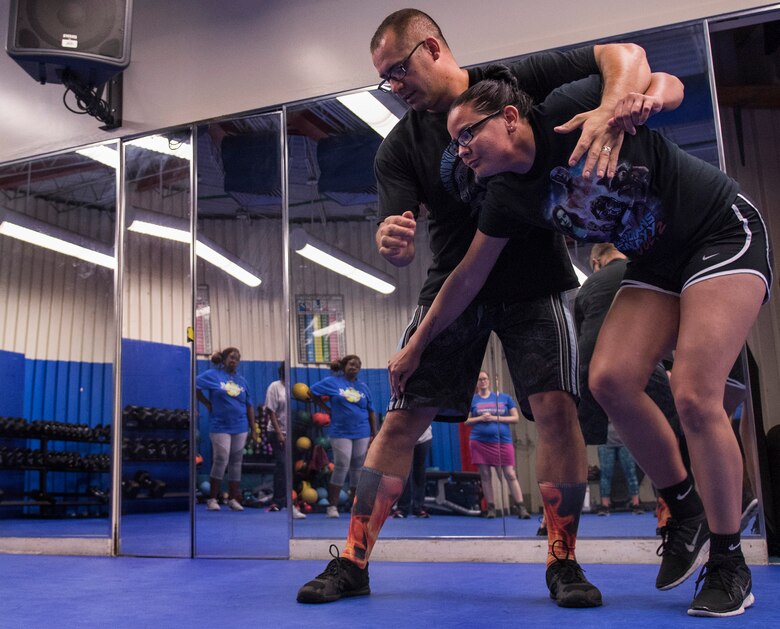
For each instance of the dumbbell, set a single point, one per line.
(130, 488)
(41, 496)
(98, 493)
(156, 488)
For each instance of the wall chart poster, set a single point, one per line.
(320, 320)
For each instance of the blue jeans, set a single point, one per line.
(607, 455)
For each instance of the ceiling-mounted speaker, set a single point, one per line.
(91, 38)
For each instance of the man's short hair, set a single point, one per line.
(600, 249)
(408, 24)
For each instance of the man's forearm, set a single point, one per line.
(624, 69)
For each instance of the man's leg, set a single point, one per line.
(562, 470)
(540, 344)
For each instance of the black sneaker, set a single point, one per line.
(602, 510)
(340, 579)
(726, 590)
(684, 547)
(568, 585)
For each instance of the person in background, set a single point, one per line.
(353, 423)
(276, 415)
(225, 393)
(490, 443)
(610, 451)
(412, 501)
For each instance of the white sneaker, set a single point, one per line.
(212, 504)
(331, 512)
(235, 505)
(297, 515)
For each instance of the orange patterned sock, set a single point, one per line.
(662, 512)
(562, 508)
(374, 497)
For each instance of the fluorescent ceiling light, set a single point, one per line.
(102, 154)
(152, 228)
(330, 329)
(161, 144)
(48, 236)
(177, 229)
(210, 254)
(370, 111)
(339, 262)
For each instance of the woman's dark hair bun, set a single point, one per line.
(500, 72)
(216, 358)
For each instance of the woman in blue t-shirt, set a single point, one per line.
(490, 443)
(231, 416)
(352, 425)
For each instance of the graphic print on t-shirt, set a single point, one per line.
(351, 395)
(620, 210)
(231, 388)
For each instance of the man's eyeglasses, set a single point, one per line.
(397, 72)
(467, 135)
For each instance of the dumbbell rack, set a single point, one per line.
(155, 440)
(42, 503)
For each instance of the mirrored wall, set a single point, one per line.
(239, 303)
(57, 331)
(156, 378)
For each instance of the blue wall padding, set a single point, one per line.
(445, 449)
(11, 405)
(155, 375)
(11, 384)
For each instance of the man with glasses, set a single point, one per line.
(523, 302)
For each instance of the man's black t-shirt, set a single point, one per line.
(660, 204)
(413, 167)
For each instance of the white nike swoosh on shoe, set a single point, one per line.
(735, 546)
(690, 547)
(687, 491)
(705, 258)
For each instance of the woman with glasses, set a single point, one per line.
(490, 444)
(698, 273)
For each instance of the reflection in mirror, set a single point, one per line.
(57, 226)
(242, 488)
(333, 208)
(155, 376)
(745, 61)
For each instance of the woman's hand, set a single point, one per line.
(401, 366)
(598, 139)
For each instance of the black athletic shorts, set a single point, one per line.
(739, 244)
(538, 339)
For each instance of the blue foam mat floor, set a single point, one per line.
(55, 591)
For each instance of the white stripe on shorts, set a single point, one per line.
(567, 343)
